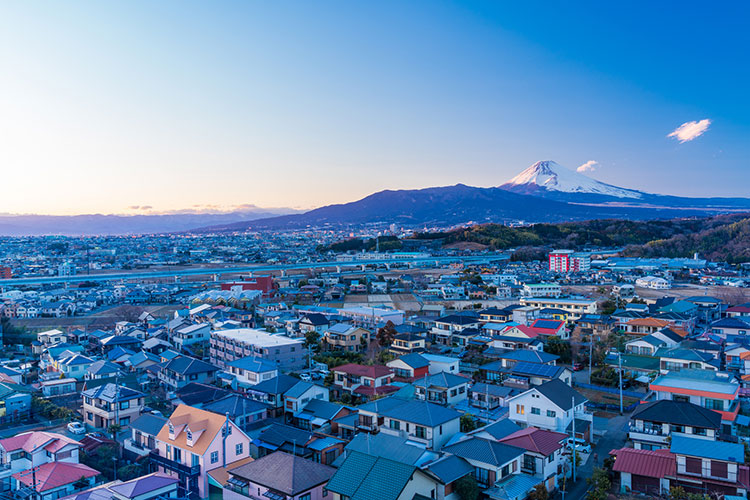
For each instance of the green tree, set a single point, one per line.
(312, 341)
(468, 423)
(600, 485)
(539, 492)
(467, 488)
(677, 493)
(114, 429)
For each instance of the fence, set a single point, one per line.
(612, 390)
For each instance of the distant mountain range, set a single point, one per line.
(98, 224)
(544, 192)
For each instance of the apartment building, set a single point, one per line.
(568, 261)
(230, 345)
(576, 307)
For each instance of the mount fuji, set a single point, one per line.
(546, 177)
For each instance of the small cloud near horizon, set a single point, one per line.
(589, 166)
(690, 130)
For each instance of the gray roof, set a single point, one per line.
(185, 365)
(235, 406)
(322, 409)
(108, 391)
(442, 379)
(485, 451)
(500, 429)
(148, 424)
(395, 448)
(277, 385)
(560, 394)
(415, 360)
(284, 472)
(421, 413)
(492, 389)
(679, 413)
(450, 468)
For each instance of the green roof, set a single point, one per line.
(364, 477)
(636, 361)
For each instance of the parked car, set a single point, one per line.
(306, 377)
(577, 367)
(580, 444)
(76, 428)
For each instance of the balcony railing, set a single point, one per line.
(173, 465)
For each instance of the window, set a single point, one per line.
(395, 425)
(124, 405)
(693, 465)
(551, 413)
(214, 457)
(520, 409)
(238, 449)
(177, 455)
(195, 460)
(420, 431)
(535, 411)
(718, 469)
(306, 496)
(482, 476)
(714, 404)
(505, 471)
(325, 492)
(699, 431)
(124, 421)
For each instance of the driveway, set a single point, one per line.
(614, 437)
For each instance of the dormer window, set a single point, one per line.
(171, 430)
(189, 435)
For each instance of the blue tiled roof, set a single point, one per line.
(715, 450)
(421, 413)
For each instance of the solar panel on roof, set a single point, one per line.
(552, 325)
(538, 369)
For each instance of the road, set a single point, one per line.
(614, 438)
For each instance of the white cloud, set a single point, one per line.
(589, 166)
(690, 130)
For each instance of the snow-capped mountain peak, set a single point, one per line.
(551, 176)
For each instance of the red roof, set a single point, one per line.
(649, 463)
(30, 441)
(55, 474)
(739, 309)
(527, 330)
(367, 390)
(536, 440)
(373, 371)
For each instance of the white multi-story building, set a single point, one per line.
(568, 261)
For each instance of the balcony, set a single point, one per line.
(180, 468)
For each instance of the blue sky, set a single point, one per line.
(210, 105)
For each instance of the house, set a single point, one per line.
(423, 422)
(53, 480)
(345, 337)
(553, 406)
(653, 424)
(511, 358)
(717, 391)
(405, 343)
(440, 363)
(303, 443)
(730, 326)
(72, 365)
(243, 411)
(442, 332)
(149, 487)
(143, 431)
(544, 453)
(252, 370)
(409, 367)
(191, 334)
(492, 460)
(524, 374)
(18, 454)
(645, 326)
(489, 396)
(363, 476)
(111, 404)
(278, 476)
(442, 388)
(693, 464)
(313, 322)
(677, 358)
(193, 442)
(102, 369)
(362, 380)
(319, 415)
(550, 328)
(182, 370)
(285, 394)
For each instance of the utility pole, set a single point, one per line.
(591, 353)
(575, 443)
(619, 357)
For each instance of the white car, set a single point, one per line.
(580, 444)
(76, 428)
(306, 377)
